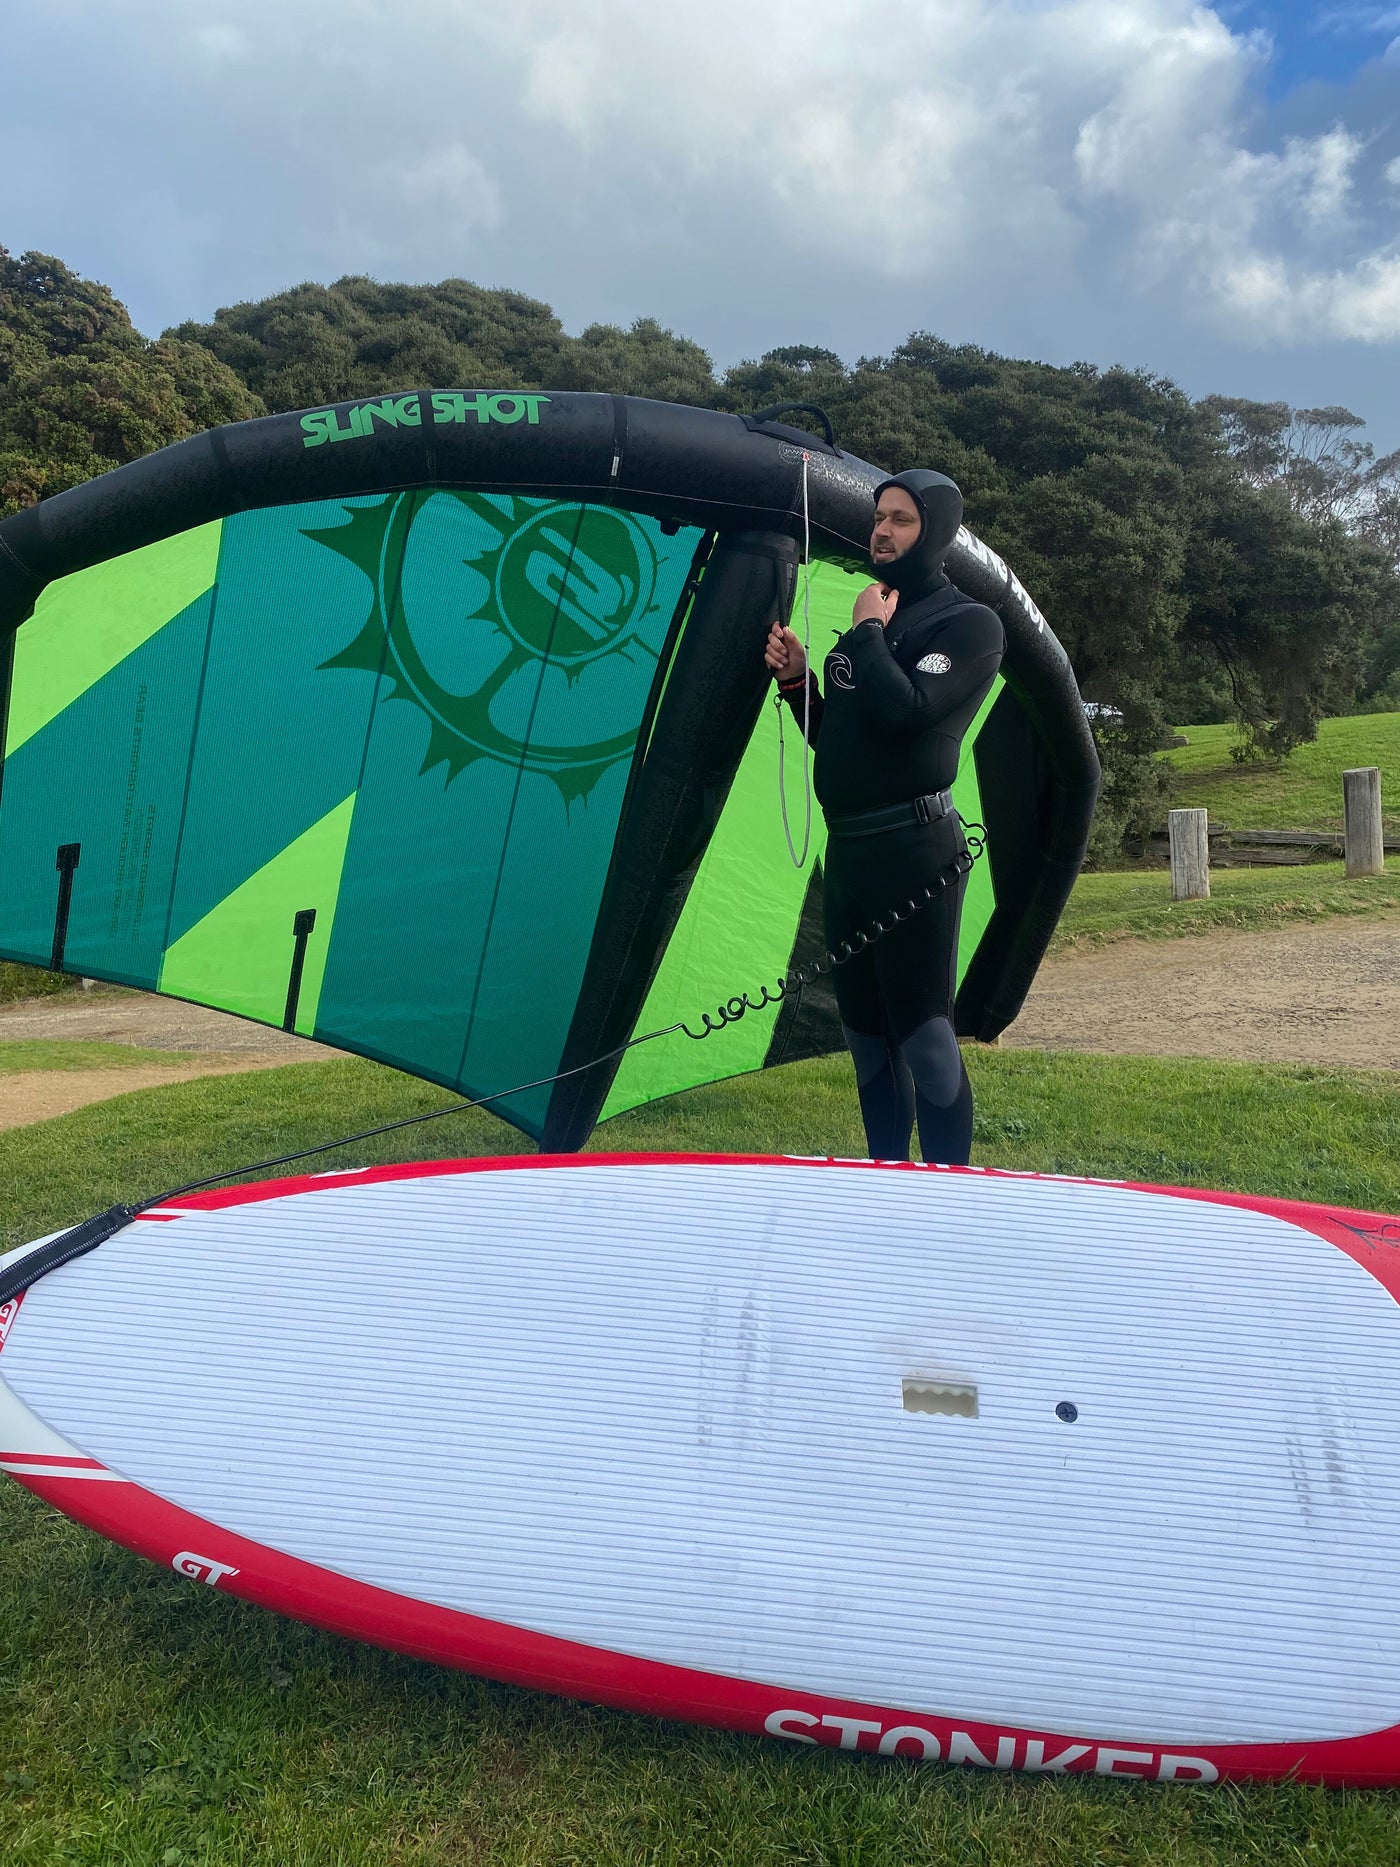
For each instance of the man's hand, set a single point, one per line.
(784, 654)
(876, 603)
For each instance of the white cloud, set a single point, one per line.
(563, 78)
(1117, 129)
(1354, 19)
(1317, 176)
(956, 155)
(1254, 233)
(222, 43)
(1365, 302)
(1246, 226)
(1361, 303)
(450, 178)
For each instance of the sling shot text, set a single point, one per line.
(449, 406)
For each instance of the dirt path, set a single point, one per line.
(1326, 994)
(112, 1016)
(34, 1095)
(222, 1046)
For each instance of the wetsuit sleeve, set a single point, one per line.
(970, 644)
(793, 696)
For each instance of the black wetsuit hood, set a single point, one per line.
(919, 571)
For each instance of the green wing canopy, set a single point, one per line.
(750, 915)
(353, 767)
(450, 745)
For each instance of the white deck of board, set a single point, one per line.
(658, 1409)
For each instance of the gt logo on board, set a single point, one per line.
(1012, 1752)
(8, 1312)
(202, 1568)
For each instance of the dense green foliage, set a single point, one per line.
(1191, 569)
(1162, 568)
(319, 344)
(147, 1720)
(82, 391)
(1210, 560)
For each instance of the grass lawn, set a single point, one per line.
(144, 1721)
(31, 982)
(40, 1053)
(1302, 792)
(1112, 905)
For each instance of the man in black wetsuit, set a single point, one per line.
(902, 686)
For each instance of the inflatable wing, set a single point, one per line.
(433, 727)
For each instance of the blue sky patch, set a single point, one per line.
(1328, 40)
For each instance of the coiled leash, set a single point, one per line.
(799, 978)
(80, 1239)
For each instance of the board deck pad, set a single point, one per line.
(1000, 1468)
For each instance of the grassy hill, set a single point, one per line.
(1303, 792)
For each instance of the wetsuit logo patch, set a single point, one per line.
(933, 664)
(839, 672)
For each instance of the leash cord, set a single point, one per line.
(799, 859)
(730, 1012)
(800, 977)
(85, 1237)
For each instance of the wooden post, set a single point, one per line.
(1190, 847)
(1361, 814)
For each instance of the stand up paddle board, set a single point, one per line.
(1028, 1472)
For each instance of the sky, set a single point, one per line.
(1211, 193)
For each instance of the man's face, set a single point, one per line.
(897, 526)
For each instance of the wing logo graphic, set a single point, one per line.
(495, 617)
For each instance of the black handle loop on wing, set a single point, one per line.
(796, 408)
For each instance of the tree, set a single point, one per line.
(1336, 569)
(646, 359)
(1312, 457)
(81, 391)
(1289, 608)
(1212, 559)
(332, 343)
(317, 344)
